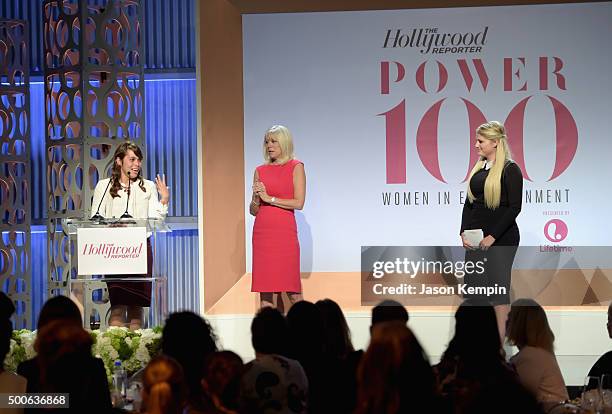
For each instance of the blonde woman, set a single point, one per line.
(535, 363)
(495, 193)
(279, 188)
(164, 388)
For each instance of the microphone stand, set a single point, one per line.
(98, 217)
(127, 215)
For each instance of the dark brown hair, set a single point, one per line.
(120, 153)
(221, 379)
(394, 373)
(337, 333)
(62, 346)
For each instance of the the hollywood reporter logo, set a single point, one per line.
(393, 75)
(432, 40)
(113, 251)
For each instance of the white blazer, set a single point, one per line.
(142, 204)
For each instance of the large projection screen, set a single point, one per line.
(383, 106)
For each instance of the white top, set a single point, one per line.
(539, 372)
(142, 204)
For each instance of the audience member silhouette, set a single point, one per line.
(337, 335)
(65, 365)
(59, 307)
(535, 362)
(10, 383)
(394, 375)
(307, 346)
(7, 308)
(164, 389)
(270, 332)
(56, 308)
(604, 364)
(189, 339)
(221, 383)
(339, 349)
(64, 362)
(472, 375)
(306, 362)
(306, 331)
(274, 384)
(387, 311)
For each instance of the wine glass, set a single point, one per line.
(591, 394)
(606, 392)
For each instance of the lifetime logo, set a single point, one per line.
(111, 250)
(555, 230)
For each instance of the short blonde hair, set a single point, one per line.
(285, 140)
(528, 325)
(493, 131)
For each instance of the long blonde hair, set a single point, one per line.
(493, 131)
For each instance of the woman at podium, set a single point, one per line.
(127, 194)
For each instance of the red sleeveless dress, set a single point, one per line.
(276, 249)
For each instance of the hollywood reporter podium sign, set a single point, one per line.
(117, 249)
(112, 250)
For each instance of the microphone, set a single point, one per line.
(98, 216)
(126, 214)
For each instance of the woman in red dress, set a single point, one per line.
(279, 188)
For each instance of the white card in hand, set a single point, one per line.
(473, 237)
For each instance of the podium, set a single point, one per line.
(117, 250)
